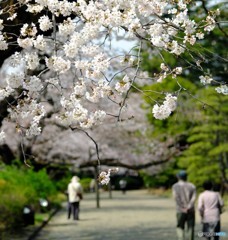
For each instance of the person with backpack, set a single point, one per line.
(74, 191)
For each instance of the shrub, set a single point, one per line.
(62, 183)
(85, 182)
(20, 187)
(11, 204)
(41, 183)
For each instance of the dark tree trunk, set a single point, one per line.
(6, 154)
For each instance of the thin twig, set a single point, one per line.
(136, 72)
(23, 151)
(94, 141)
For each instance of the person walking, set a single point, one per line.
(75, 192)
(210, 205)
(184, 194)
(123, 185)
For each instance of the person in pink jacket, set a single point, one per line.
(210, 204)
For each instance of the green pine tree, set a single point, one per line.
(206, 157)
(199, 124)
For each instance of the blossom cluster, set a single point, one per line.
(2, 137)
(28, 114)
(205, 80)
(222, 89)
(163, 111)
(167, 71)
(104, 176)
(77, 45)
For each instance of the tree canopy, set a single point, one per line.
(60, 63)
(199, 124)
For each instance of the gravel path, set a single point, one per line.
(133, 216)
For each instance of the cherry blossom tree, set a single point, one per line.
(121, 144)
(62, 66)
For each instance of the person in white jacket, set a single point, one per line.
(74, 191)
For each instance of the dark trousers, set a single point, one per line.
(213, 228)
(74, 209)
(182, 220)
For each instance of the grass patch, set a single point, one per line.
(40, 217)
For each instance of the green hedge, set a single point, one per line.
(20, 187)
(85, 182)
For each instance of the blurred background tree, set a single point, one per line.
(199, 125)
(206, 155)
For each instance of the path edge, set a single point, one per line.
(44, 223)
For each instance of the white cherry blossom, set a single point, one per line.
(2, 137)
(163, 111)
(205, 80)
(32, 60)
(58, 64)
(124, 85)
(45, 23)
(40, 43)
(104, 177)
(25, 43)
(67, 27)
(33, 84)
(222, 89)
(3, 43)
(75, 65)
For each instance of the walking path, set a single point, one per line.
(136, 215)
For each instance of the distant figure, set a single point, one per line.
(123, 185)
(74, 191)
(92, 185)
(184, 194)
(210, 207)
